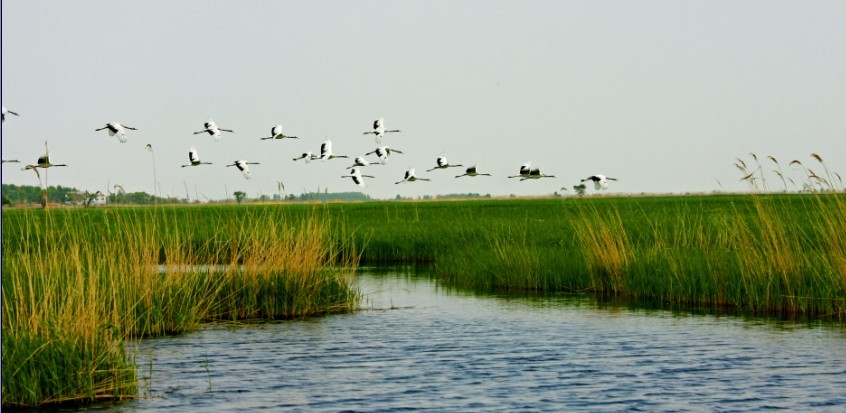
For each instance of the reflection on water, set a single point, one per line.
(420, 346)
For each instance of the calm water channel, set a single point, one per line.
(419, 346)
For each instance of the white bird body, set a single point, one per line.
(326, 151)
(409, 177)
(471, 171)
(357, 177)
(213, 130)
(535, 173)
(379, 129)
(383, 152)
(5, 111)
(276, 133)
(525, 170)
(243, 166)
(116, 129)
(194, 158)
(442, 163)
(599, 181)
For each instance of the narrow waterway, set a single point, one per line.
(418, 346)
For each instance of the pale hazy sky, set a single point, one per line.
(663, 95)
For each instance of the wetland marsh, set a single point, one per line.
(87, 275)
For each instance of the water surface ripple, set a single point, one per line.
(421, 347)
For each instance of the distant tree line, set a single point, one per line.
(462, 196)
(445, 196)
(30, 194)
(327, 196)
(241, 196)
(141, 198)
(14, 195)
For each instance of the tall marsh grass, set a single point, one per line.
(77, 285)
(760, 253)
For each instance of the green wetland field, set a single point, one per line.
(79, 284)
(763, 254)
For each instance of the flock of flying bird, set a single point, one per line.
(382, 152)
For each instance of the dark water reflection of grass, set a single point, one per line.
(426, 273)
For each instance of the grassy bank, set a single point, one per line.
(77, 284)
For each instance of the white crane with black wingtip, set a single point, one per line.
(308, 156)
(442, 163)
(383, 152)
(599, 181)
(242, 166)
(379, 130)
(410, 177)
(213, 130)
(194, 158)
(276, 133)
(5, 111)
(361, 162)
(471, 171)
(525, 170)
(116, 129)
(357, 177)
(326, 151)
(44, 161)
(535, 173)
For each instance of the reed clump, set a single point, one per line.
(773, 253)
(78, 285)
(274, 272)
(606, 249)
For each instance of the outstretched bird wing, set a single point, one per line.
(325, 148)
(193, 156)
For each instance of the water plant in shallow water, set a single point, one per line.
(77, 285)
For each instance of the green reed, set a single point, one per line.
(764, 253)
(77, 284)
